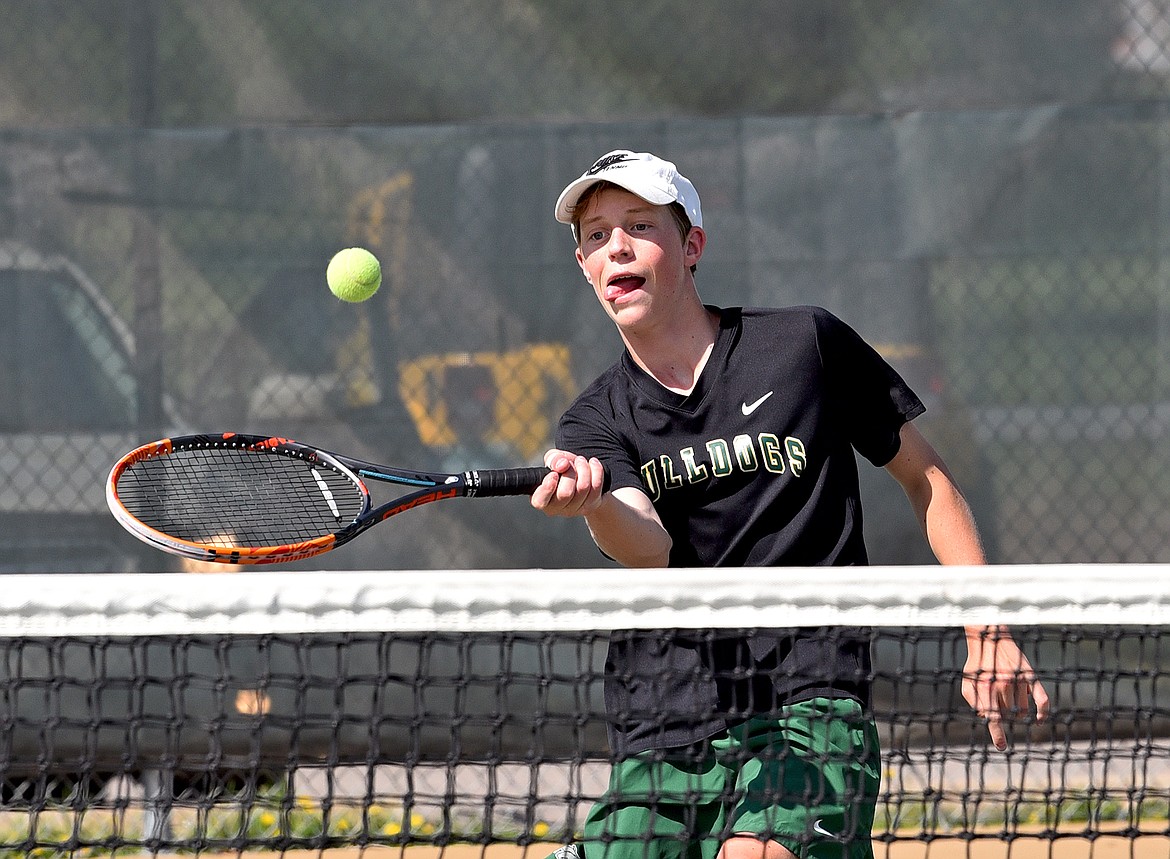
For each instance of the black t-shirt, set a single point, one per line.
(755, 467)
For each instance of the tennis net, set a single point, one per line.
(225, 713)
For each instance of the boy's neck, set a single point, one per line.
(676, 356)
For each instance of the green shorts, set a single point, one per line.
(808, 780)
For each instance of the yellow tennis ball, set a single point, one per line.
(354, 274)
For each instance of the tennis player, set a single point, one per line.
(729, 435)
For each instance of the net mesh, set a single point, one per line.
(466, 711)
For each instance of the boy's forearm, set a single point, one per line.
(626, 528)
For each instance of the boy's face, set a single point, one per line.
(632, 254)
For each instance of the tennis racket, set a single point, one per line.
(251, 499)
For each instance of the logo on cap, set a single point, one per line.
(606, 162)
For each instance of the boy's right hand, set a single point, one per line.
(574, 488)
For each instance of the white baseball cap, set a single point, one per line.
(648, 176)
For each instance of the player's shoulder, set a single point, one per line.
(596, 420)
(809, 319)
(791, 313)
(599, 395)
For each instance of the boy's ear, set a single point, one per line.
(581, 262)
(694, 244)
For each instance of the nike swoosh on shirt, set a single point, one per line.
(748, 409)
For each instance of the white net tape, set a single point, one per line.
(572, 600)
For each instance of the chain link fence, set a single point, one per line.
(981, 190)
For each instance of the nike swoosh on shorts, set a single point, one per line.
(819, 829)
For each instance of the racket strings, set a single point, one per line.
(232, 497)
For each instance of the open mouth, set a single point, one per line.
(622, 284)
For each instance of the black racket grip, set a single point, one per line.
(506, 481)
(510, 481)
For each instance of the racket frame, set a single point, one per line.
(427, 487)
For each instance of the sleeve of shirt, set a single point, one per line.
(585, 429)
(873, 399)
